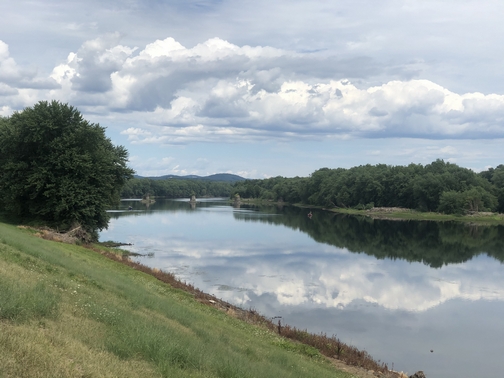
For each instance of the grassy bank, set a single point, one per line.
(407, 214)
(67, 311)
(393, 213)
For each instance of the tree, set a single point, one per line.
(498, 176)
(58, 168)
(478, 199)
(451, 202)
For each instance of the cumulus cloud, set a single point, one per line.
(8, 67)
(218, 91)
(153, 166)
(417, 108)
(12, 76)
(88, 73)
(6, 90)
(5, 111)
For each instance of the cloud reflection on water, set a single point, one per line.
(306, 273)
(389, 300)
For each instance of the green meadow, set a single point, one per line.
(67, 311)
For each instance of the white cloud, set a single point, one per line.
(217, 91)
(152, 166)
(17, 77)
(5, 111)
(245, 174)
(6, 90)
(448, 150)
(417, 108)
(8, 67)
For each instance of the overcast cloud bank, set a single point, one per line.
(217, 91)
(203, 86)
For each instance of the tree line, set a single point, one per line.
(174, 188)
(61, 170)
(439, 186)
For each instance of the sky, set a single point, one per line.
(267, 88)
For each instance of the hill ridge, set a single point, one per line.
(226, 177)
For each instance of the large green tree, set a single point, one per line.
(58, 168)
(439, 186)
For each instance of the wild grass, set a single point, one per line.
(67, 311)
(19, 302)
(334, 347)
(306, 343)
(407, 214)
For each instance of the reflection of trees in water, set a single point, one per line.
(433, 243)
(139, 208)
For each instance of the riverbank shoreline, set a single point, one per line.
(394, 213)
(68, 311)
(402, 214)
(344, 357)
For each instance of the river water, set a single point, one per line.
(417, 295)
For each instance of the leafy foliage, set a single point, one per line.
(174, 188)
(439, 186)
(58, 168)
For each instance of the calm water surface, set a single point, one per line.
(395, 289)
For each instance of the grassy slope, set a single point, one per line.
(66, 311)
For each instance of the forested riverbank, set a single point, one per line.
(437, 187)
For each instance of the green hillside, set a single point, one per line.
(68, 311)
(222, 177)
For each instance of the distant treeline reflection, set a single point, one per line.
(432, 243)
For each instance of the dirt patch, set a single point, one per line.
(480, 214)
(359, 372)
(76, 235)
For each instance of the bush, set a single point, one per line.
(369, 206)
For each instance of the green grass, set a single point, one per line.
(66, 311)
(20, 303)
(492, 218)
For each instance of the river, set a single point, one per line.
(417, 295)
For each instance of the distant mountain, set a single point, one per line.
(224, 177)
